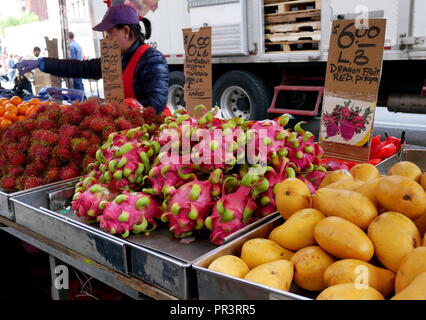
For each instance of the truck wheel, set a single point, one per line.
(175, 98)
(241, 94)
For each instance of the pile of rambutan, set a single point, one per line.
(59, 142)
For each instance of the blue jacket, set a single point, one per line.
(75, 51)
(151, 79)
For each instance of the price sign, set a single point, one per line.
(352, 84)
(52, 49)
(112, 71)
(198, 68)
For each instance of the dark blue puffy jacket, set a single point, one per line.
(151, 76)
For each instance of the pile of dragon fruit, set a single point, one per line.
(196, 175)
(59, 142)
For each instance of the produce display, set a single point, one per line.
(360, 236)
(15, 109)
(58, 142)
(191, 175)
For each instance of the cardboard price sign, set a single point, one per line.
(352, 84)
(198, 68)
(52, 49)
(112, 71)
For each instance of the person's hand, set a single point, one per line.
(26, 65)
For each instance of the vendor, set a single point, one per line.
(145, 75)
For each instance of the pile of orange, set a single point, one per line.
(16, 110)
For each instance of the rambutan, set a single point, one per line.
(68, 130)
(72, 115)
(14, 133)
(107, 109)
(86, 122)
(39, 152)
(90, 106)
(32, 170)
(15, 171)
(43, 122)
(69, 172)
(8, 183)
(12, 148)
(62, 154)
(149, 114)
(91, 150)
(52, 175)
(123, 123)
(53, 163)
(33, 182)
(64, 141)
(107, 131)
(79, 144)
(98, 124)
(41, 165)
(29, 124)
(47, 137)
(25, 142)
(17, 159)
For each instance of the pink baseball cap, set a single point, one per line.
(120, 14)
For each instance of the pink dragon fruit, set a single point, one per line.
(347, 130)
(130, 212)
(315, 177)
(188, 208)
(231, 213)
(87, 204)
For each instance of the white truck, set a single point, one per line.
(269, 56)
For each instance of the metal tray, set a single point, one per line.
(159, 258)
(213, 285)
(32, 211)
(6, 207)
(410, 153)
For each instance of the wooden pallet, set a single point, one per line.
(291, 6)
(294, 27)
(291, 46)
(293, 36)
(310, 15)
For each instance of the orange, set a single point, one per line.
(12, 116)
(16, 100)
(21, 118)
(3, 100)
(30, 112)
(5, 123)
(2, 111)
(23, 108)
(11, 107)
(4, 103)
(35, 101)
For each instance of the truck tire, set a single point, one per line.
(175, 98)
(241, 94)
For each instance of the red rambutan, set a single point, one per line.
(52, 175)
(68, 130)
(8, 183)
(69, 172)
(91, 150)
(98, 124)
(33, 182)
(32, 170)
(15, 171)
(123, 124)
(17, 159)
(107, 131)
(39, 152)
(64, 141)
(29, 124)
(45, 136)
(62, 154)
(79, 144)
(149, 114)
(107, 109)
(43, 122)
(90, 106)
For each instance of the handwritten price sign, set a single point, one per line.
(198, 68)
(355, 57)
(112, 71)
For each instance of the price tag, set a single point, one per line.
(52, 49)
(352, 84)
(198, 68)
(112, 71)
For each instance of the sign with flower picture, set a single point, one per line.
(354, 70)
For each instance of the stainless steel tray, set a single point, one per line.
(32, 211)
(410, 153)
(217, 286)
(159, 259)
(6, 207)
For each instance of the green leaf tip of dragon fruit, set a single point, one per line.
(121, 198)
(291, 173)
(275, 188)
(247, 213)
(199, 225)
(299, 155)
(193, 214)
(321, 168)
(298, 127)
(227, 216)
(102, 204)
(175, 209)
(123, 161)
(118, 175)
(292, 137)
(127, 147)
(124, 217)
(107, 177)
(96, 188)
(140, 170)
(296, 144)
(87, 181)
(100, 156)
(142, 203)
(220, 208)
(283, 152)
(76, 196)
(264, 201)
(208, 223)
(307, 135)
(138, 228)
(284, 120)
(173, 125)
(261, 187)
(91, 167)
(127, 172)
(195, 192)
(310, 169)
(163, 218)
(125, 234)
(281, 135)
(164, 171)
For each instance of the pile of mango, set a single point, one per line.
(359, 237)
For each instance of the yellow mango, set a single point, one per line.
(345, 184)
(346, 204)
(393, 236)
(334, 176)
(364, 172)
(403, 195)
(420, 223)
(406, 169)
(358, 271)
(348, 291)
(415, 290)
(424, 241)
(343, 239)
(230, 265)
(276, 274)
(309, 266)
(298, 231)
(423, 180)
(368, 189)
(258, 251)
(411, 266)
(292, 195)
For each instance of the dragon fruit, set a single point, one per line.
(315, 177)
(87, 204)
(188, 208)
(232, 212)
(130, 212)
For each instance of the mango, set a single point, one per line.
(406, 169)
(420, 223)
(298, 231)
(276, 274)
(334, 176)
(310, 264)
(415, 290)
(292, 195)
(368, 189)
(423, 180)
(346, 204)
(230, 265)
(403, 195)
(364, 273)
(411, 266)
(258, 251)
(424, 241)
(364, 172)
(393, 236)
(348, 291)
(343, 239)
(346, 184)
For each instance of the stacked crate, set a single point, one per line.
(292, 25)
